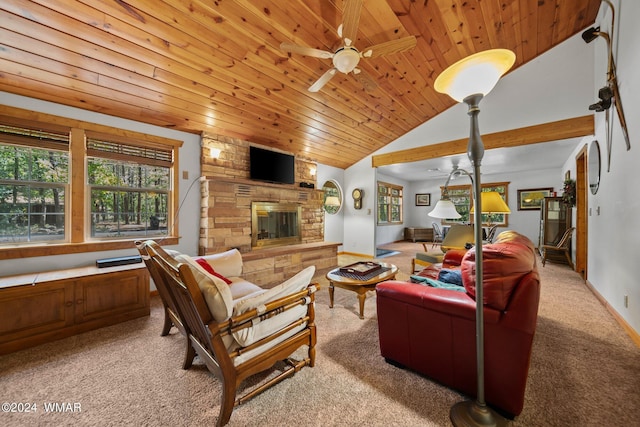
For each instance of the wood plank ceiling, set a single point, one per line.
(216, 66)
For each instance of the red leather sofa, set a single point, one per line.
(432, 330)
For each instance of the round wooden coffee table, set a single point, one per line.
(359, 286)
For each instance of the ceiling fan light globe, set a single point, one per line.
(475, 74)
(346, 59)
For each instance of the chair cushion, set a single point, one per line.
(215, 291)
(241, 288)
(433, 257)
(228, 263)
(267, 327)
(204, 264)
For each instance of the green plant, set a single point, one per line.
(569, 192)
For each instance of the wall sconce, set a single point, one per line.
(312, 171)
(214, 153)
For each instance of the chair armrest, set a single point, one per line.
(452, 303)
(268, 310)
(268, 322)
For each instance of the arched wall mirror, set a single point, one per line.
(332, 197)
(594, 166)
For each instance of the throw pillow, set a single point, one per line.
(450, 276)
(204, 264)
(504, 266)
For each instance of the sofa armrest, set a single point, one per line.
(453, 258)
(453, 303)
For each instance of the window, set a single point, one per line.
(389, 203)
(121, 188)
(129, 189)
(33, 185)
(460, 195)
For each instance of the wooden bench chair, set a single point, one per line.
(563, 248)
(252, 340)
(171, 313)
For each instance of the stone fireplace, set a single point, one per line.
(286, 240)
(275, 224)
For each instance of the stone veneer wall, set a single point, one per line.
(225, 221)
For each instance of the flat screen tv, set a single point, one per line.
(271, 166)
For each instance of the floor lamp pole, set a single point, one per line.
(476, 412)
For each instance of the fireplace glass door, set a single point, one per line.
(275, 224)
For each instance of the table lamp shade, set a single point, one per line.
(492, 202)
(475, 74)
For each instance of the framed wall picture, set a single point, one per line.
(423, 199)
(531, 199)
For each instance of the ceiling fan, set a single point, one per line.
(346, 58)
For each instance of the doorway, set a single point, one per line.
(582, 217)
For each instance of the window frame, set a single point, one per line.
(389, 210)
(77, 214)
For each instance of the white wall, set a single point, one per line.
(359, 224)
(614, 235)
(189, 215)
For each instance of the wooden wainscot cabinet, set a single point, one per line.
(41, 307)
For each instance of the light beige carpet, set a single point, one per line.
(585, 372)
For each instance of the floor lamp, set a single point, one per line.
(468, 81)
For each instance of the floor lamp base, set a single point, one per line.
(470, 413)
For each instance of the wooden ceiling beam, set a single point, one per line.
(547, 132)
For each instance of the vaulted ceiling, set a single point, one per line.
(217, 66)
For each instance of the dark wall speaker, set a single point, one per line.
(307, 185)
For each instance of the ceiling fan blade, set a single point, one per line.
(323, 80)
(393, 46)
(307, 51)
(367, 82)
(351, 18)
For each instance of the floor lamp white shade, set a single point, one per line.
(444, 209)
(475, 74)
(469, 80)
